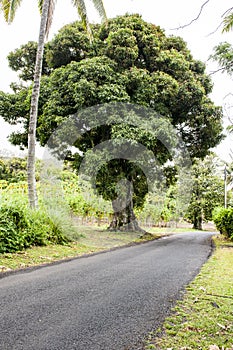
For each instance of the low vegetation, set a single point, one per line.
(204, 318)
(223, 219)
(21, 227)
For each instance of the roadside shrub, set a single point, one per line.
(13, 229)
(45, 229)
(223, 219)
(21, 227)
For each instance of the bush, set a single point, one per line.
(21, 227)
(42, 229)
(223, 219)
(12, 221)
(10, 240)
(14, 170)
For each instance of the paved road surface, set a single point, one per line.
(107, 301)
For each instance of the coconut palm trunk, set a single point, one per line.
(32, 194)
(46, 20)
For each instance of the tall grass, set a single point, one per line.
(22, 227)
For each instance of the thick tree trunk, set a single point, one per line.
(197, 221)
(124, 219)
(32, 195)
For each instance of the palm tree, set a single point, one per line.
(228, 21)
(9, 8)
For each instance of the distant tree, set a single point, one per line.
(223, 55)
(228, 20)
(208, 191)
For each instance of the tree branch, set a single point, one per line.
(221, 69)
(218, 27)
(226, 12)
(221, 23)
(194, 19)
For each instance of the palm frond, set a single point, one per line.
(40, 5)
(82, 11)
(5, 8)
(100, 8)
(228, 23)
(9, 8)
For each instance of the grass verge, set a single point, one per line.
(203, 320)
(168, 230)
(90, 240)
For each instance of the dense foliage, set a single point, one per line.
(223, 55)
(223, 219)
(208, 190)
(21, 228)
(129, 60)
(15, 169)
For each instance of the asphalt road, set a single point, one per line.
(108, 301)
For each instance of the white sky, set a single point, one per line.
(166, 13)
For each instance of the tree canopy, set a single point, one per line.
(128, 60)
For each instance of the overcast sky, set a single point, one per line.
(168, 14)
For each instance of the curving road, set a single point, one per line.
(108, 301)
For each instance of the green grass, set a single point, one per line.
(167, 230)
(89, 240)
(40, 255)
(205, 316)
